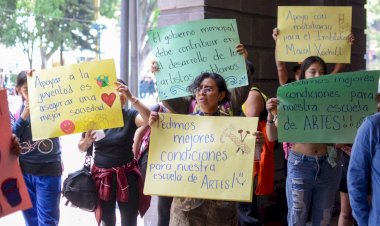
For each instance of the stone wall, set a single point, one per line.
(256, 19)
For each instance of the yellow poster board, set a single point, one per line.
(73, 99)
(208, 157)
(314, 31)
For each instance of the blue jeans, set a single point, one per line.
(45, 192)
(310, 177)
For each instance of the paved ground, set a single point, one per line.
(70, 216)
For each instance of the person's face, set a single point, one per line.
(23, 91)
(315, 70)
(208, 96)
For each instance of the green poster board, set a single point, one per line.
(328, 109)
(183, 51)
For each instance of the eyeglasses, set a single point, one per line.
(203, 90)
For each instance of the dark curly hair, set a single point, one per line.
(220, 82)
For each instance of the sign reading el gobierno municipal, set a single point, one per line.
(201, 157)
(327, 109)
(314, 31)
(183, 51)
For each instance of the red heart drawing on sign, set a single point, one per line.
(108, 99)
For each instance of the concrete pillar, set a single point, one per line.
(124, 41)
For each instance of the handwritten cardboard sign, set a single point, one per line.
(14, 195)
(314, 31)
(206, 157)
(327, 109)
(73, 99)
(183, 51)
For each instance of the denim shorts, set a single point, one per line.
(310, 177)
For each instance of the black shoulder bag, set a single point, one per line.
(79, 188)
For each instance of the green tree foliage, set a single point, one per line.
(16, 27)
(109, 7)
(373, 33)
(49, 25)
(147, 20)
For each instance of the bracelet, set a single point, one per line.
(270, 122)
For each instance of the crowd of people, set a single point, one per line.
(120, 159)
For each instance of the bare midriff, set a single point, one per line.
(311, 149)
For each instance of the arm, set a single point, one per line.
(359, 171)
(260, 138)
(271, 126)
(254, 104)
(339, 66)
(137, 140)
(142, 118)
(86, 141)
(21, 124)
(282, 71)
(153, 118)
(240, 94)
(242, 50)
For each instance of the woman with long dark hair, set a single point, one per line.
(210, 91)
(311, 178)
(115, 171)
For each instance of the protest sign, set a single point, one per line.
(72, 99)
(327, 109)
(314, 31)
(208, 157)
(14, 195)
(183, 51)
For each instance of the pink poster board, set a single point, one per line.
(13, 192)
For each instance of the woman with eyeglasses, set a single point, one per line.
(210, 91)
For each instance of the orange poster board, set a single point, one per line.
(13, 192)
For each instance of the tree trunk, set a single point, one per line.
(61, 54)
(43, 58)
(30, 63)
